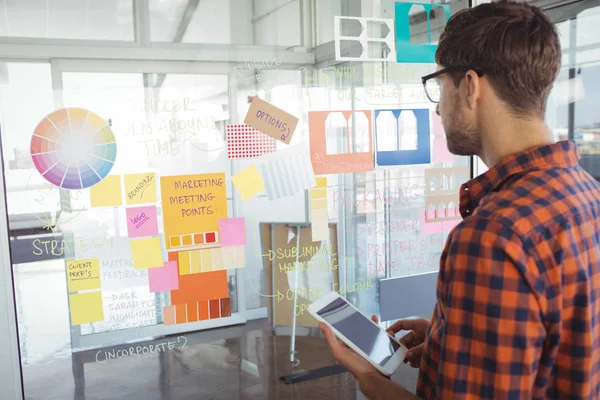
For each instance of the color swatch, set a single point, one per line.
(318, 211)
(197, 311)
(200, 287)
(214, 259)
(194, 239)
(245, 142)
(73, 148)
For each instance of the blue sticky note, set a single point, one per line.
(407, 52)
(422, 154)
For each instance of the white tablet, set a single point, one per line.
(359, 332)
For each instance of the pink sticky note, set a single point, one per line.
(430, 228)
(142, 221)
(436, 121)
(440, 150)
(449, 225)
(232, 232)
(164, 278)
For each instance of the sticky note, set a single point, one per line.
(146, 253)
(436, 122)
(387, 127)
(440, 150)
(248, 182)
(192, 205)
(323, 162)
(232, 231)
(140, 188)
(201, 287)
(86, 308)
(406, 51)
(142, 221)
(83, 274)
(271, 120)
(164, 278)
(107, 193)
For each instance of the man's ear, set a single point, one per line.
(473, 83)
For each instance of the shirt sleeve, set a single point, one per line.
(491, 329)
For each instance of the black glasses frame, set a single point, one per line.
(456, 68)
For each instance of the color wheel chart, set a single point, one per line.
(73, 148)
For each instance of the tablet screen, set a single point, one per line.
(368, 337)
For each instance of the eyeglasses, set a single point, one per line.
(432, 86)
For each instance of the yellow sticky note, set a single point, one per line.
(140, 188)
(146, 253)
(248, 182)
(86, 308)
(83, 274)
(107, 193)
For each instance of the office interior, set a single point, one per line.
(168, 77)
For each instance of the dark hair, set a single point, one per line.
(515, 45)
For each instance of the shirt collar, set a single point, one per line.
(561, 154)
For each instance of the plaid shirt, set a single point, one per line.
(518, 296)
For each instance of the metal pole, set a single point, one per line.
(293, 342)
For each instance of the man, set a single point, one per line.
(518, 294)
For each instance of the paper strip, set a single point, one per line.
(319, 209)
(287, 172)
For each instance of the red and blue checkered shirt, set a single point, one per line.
(518, 296)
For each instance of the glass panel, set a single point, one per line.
(68, 242)
(575, 95)
(262, 22)
(381, 213)
(68, 19)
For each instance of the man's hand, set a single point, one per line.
(372, 383)
(413, 340)
(353, 362)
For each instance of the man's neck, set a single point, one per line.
(500, 140)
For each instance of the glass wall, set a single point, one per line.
(388, 213)
(573, 102)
